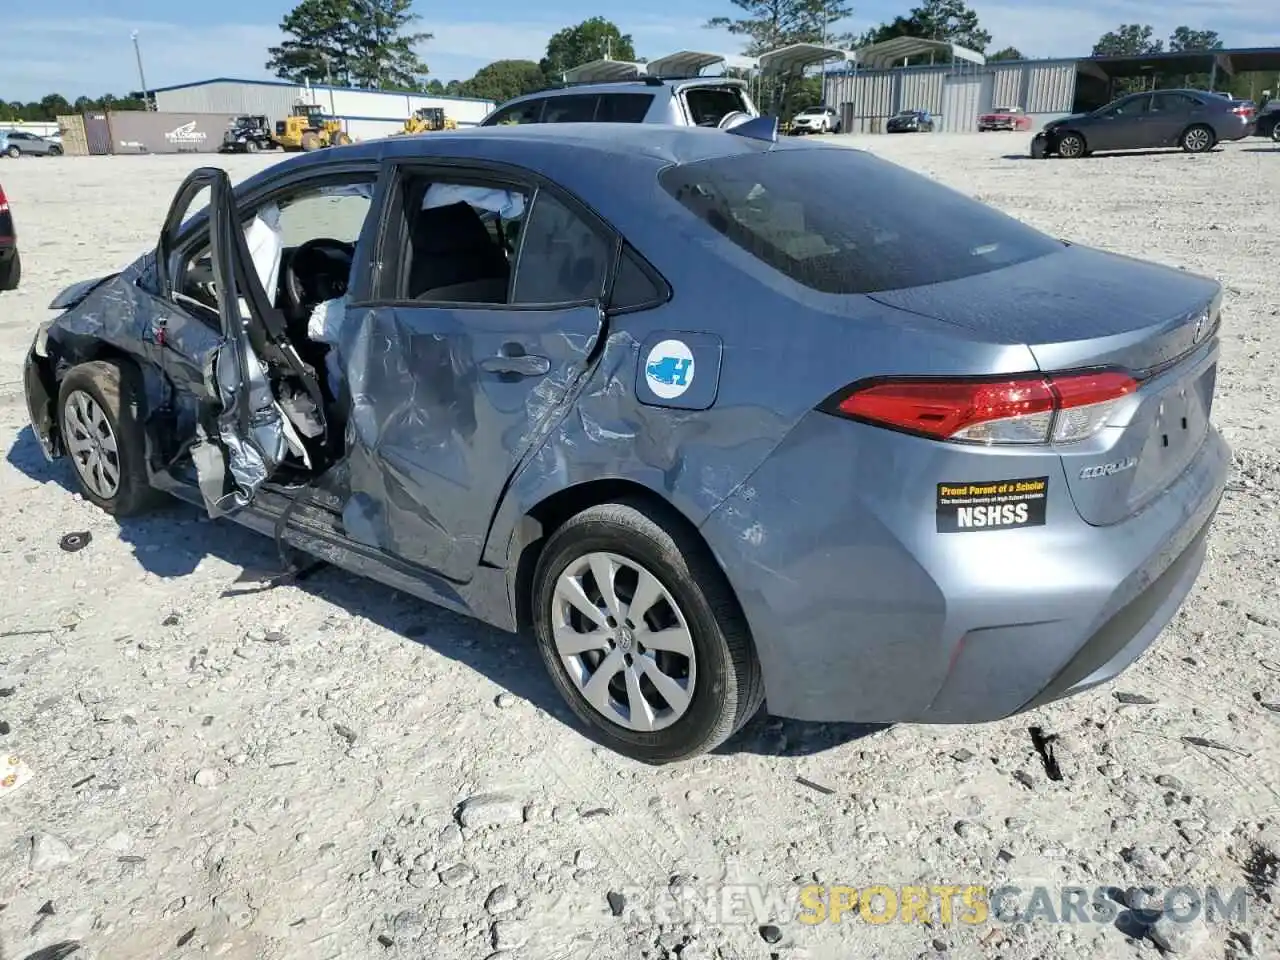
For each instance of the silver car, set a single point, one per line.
(16, 143)
(725, 421)
(694, 102)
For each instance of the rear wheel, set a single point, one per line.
(642, 634)
(1275, 131)
(14, 152)
(1197, 139)
(1071, 146)
(251, 146)
(310, 141)
(100, 416)
(55, 151)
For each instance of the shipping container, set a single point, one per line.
(146, 131)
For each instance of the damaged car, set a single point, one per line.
(717, 417)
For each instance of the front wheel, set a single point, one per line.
(1071, 146)
(14, 152)
(100, 407)
(1197, 139)
(642, 634)
(55, 151)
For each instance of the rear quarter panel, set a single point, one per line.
(785, 349)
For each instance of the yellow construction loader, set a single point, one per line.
(309, 128)
(427, 119)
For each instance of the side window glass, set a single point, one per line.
(563, 259)
(623, 107)
(572, 109)
(530, 111)
(634, 288)
(461, 239)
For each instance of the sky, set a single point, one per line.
(82, 47)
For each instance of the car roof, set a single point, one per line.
(642, 85)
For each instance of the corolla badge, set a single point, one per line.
(1108, 469)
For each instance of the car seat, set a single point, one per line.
(454, 258)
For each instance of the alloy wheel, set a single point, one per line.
(92, 444)
(624, 642)
(1196, 139)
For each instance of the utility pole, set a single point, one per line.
(142, 77)
(823, 13)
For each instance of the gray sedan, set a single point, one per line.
(1194, 120)
(724, 421)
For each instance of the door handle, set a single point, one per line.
(525, 365)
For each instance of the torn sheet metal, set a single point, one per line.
(435, 429)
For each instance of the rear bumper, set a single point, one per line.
(861, 611)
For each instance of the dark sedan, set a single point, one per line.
(910, 121)
(1194, 120)
(10, 264)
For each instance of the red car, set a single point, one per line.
(10, 265)
(1004, 118)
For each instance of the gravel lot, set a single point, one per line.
(278, 773)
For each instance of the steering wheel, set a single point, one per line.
(317, 271)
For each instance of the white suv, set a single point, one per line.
(816, 120)
(692, 102)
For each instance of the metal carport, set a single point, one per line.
(965, 86)
(599, 71)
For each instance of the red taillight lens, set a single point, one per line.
(4, 201)
(1243, 111)
(1061, 409)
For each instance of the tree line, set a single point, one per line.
(374, 44)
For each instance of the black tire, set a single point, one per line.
(1071, 146)
(55, 151)
(116, 387)
(11, 273)
(14, 152)
(251, 146)
(1275, 132)
(728, 687)
(1198, 138)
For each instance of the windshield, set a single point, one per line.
(843, 221)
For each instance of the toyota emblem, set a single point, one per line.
(1202, 322)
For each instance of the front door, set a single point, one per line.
(486, 324)
(1121, 127)
(243, 435)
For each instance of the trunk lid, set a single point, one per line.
(1084, 308)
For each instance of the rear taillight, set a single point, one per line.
(1243, 111)
(4, 202)
(1034, 409)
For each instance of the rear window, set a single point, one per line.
(841, 221)
(709, 105)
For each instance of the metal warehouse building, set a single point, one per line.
(867, 89)
(365, 114)
(956, 96)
